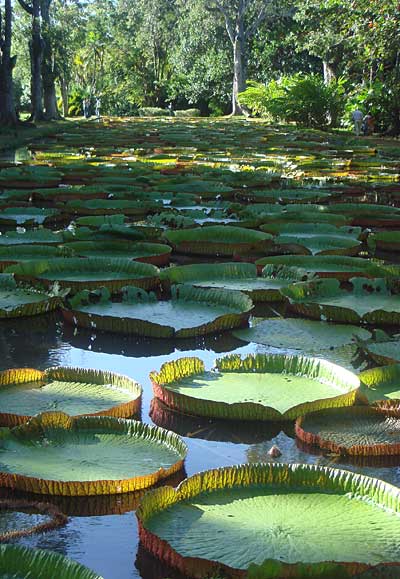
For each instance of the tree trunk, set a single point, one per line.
(239, 71)
(36, 53)
(48, 66)
(64, 96)
(329, 72)
(8, 115)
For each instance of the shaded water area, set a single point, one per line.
(108, 543)
(102, 531)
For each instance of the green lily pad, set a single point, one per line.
(18, 562)
(16, 302)
(89, 273)
(287, 519)
(261, 387)
(56, 454)
(25, 392)
(190, 312)
(340, 267)
(357, 431)
(384, 352)
(381, 383)
(235, 276)
(322, 244)
(217, 240)
(385, 240)
(154, 253)
(41, 236)
(26, 176)
(308, 336)
(367, 301)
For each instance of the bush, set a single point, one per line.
(305, 100)
(153, 112)
(188, 113)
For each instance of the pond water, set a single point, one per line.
(108, 543)
(102, 531)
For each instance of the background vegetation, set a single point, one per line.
(304, 63)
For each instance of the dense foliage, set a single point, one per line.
(306, 64)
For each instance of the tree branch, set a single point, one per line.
(218, 6)
(256, 23)
(27, 7)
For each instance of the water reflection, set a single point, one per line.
(237, 432)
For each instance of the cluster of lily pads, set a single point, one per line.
(175, 229)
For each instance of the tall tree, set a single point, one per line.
(49, 72)
(36, 48)
(7, 62)
(242, 20)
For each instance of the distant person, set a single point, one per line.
(368, 124)
(171, 109)
(86, 105)
(357, 118)
(97, 107)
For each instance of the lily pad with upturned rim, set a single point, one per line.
(235, 276)
(337, 266)
(367, 301)
(260, 387)
(18, 562)
(55, 454)
(262, 519)
(222, 240)
(77, 391)
(154, 253)
(381, 383)
(87, 273)
(385, 351)
(18, 302)
(308, 336)
(356, 431)
(189, 312)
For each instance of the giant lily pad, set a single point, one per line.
(154, 253)
(385, 351)
(25, 176)
(262, 519)
(108, 207)
(23, 563)
(316, 244)
(55, 454)
(360, 430)
(367, 301)
(190, 312)
(16, 302)
(90, 273)
(10, 254)
(308, 336)
(223, 240)
(41, 236)
(19, 518)
(385, 240)
(284, 195)
(340, 267)
(25, 392)
(261, 387)
(236, 276)
(381, 383)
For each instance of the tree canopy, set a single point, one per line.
(199, 54)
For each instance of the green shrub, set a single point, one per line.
(153, 112)
(304, 99)
(188, 113)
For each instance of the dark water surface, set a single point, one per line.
(108, 543)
